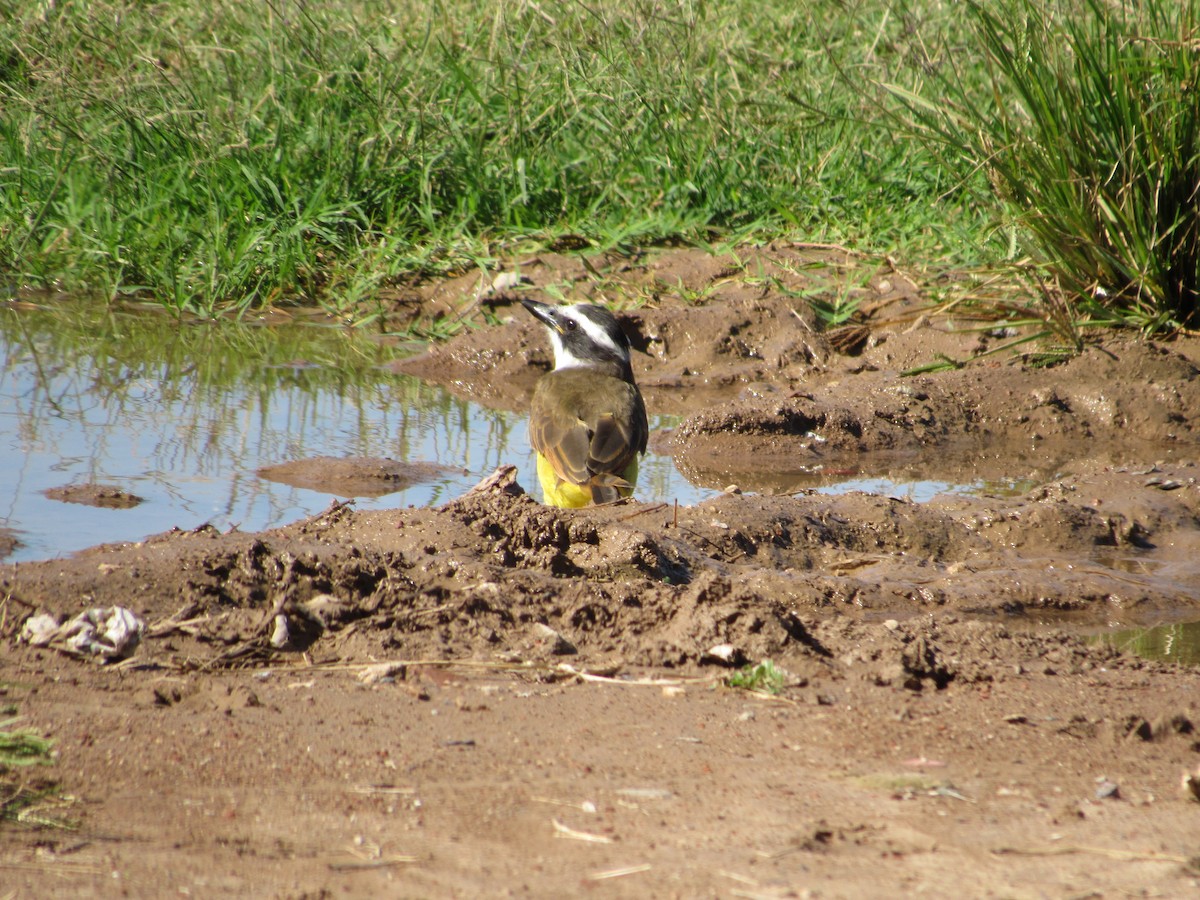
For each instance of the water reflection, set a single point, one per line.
(1178, 642)
(183, 416)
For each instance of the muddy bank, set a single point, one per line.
(658, 586)
(495, 696)
(770, 398)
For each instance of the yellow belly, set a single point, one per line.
(573, 496)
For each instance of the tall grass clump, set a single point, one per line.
(1086, 121)
(232, 155)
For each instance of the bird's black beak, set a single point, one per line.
(543, 312)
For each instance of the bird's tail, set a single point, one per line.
(606, 487)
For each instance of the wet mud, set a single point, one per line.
(104, 495)
(351, 477)
(493, 696)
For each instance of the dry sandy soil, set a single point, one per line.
(496, 698)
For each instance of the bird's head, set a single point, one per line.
(585, 336)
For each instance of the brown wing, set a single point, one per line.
(588, 426)
(563, 440)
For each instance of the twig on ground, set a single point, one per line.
(619, 873)
(351, 865)
(565, 831)
(1110, 852)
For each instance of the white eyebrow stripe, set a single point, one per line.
(599, 336)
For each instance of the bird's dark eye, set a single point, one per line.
(572, 324)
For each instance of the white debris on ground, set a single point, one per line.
(108, 634)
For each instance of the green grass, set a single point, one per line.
(37, 805)
(236, 155)
(1085, 117)
(26, 800)
(245, 155)
(763, 678)
(23, 748)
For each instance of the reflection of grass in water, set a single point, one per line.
(1178, 643)
(656, 474)
(217, 354)
(214, 372)
(97, 388)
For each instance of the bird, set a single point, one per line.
(587, 421)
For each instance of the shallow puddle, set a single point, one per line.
(184, 416)
(1176, 643)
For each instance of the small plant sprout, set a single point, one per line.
(23, 748)
(763, 678)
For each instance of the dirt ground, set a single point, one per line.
(496, 698)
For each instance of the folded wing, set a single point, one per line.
(590, 429)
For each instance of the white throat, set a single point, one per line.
(564, 358)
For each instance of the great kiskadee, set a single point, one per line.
(588, 422)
